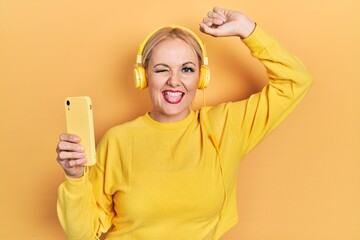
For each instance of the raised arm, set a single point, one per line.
(289, 80)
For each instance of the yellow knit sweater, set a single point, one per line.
(158, 181)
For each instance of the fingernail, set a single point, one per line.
(80, 148)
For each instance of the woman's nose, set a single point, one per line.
(174, 79)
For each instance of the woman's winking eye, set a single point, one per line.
(160, 70)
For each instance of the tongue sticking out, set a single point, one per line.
(173, 97)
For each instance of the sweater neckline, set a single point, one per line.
(171, 125)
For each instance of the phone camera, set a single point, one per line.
(68, 102)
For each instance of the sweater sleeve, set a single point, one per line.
(85, 207)
(289, 81)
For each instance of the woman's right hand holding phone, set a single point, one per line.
(70, 155)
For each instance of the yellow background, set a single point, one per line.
(302, 182)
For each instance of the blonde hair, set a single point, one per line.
(170, 33)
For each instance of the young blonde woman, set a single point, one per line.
(171, 173)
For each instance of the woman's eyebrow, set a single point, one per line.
(189, 63)
(165, 65)
(160, 65)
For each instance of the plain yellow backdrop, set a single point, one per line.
(302, 182)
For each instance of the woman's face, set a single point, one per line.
(173, 75)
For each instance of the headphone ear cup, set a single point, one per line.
(204, 78)
(140, 77)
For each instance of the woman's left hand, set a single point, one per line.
(222, 22)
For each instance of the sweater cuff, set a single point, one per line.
(74, 184)
(257, 40)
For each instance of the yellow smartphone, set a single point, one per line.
(79, 121)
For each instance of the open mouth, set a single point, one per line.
(173, 97)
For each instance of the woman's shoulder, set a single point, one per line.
(124, 128)
(221, 108)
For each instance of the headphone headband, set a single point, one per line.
(146, 40)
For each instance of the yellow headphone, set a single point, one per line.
(139, 70)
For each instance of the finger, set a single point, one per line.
(208, 21)
(218, 10)
(218, 16)
(77, 162)
(221, 11)
(218, 21)
(69, 138)
(213, 21)
(70, 155)
(68, 164)
(209, 30)
(68, 146)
